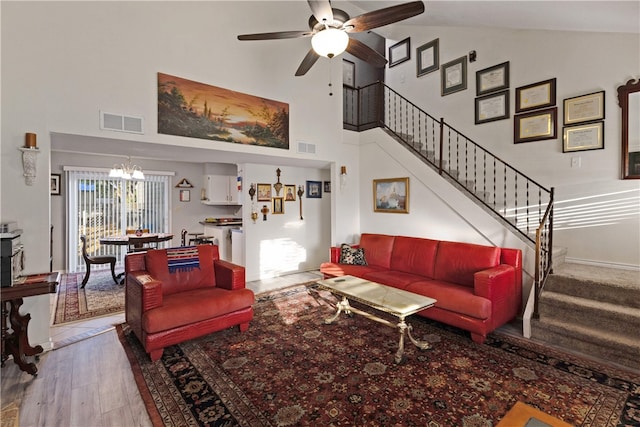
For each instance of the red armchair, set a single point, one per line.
(173, 295)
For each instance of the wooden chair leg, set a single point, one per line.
(113, 272)
(86, 276)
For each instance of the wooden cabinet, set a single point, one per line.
(221, 190)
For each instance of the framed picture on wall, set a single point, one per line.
(391, 195)
(583, 137)
(264, 192)
(536, 95)
(492, 79)
(585, 108)
(348, 73)
(400, 52)
(55, 184)
(314, 189)
(492, 107)
(290, 193)
(185, 195)
(453, 76)
(428, 57)
(278, 205)
(536, 125)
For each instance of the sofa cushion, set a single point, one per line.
(457, 262)
(349, 255)
(335, 269)
(187, 307)
(378, 248)
(397, 279)
(179, 281)
(414, 255)
(455, 298)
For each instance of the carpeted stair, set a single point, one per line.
(592, 310)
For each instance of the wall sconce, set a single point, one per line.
(29, 156)
(343, 176)
(252, 190)
(300, 193)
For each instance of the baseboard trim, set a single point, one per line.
(605, 264)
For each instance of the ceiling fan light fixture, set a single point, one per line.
(330, 42)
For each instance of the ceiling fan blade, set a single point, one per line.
(364, 52)
(321, 10)
(382, 17)
(307, 63)
(276, 35)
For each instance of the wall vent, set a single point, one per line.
(306, 147)
(121, 123)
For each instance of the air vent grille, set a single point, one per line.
(121, 123)
(305, 147)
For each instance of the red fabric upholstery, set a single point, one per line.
(165, 308)
(478, 288)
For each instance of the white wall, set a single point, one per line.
(63, 62)
(582, 63)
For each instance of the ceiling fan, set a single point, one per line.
(329, 30)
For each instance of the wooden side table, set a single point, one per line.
(16, 342)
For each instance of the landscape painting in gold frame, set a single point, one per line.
(391, 195)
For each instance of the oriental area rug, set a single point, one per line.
(291, 369)
(100, 297)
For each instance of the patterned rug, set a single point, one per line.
(100, 297)
(290, 368)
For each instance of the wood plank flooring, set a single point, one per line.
(89, 383)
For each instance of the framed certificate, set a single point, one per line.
(492, 107)
(492, 79)
(535, 126)
(583, 137)
(400, 52)
(536, 95)
(585, 108)
(428, 58)
(453, 76)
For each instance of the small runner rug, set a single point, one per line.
(290, 369)
(100, 297)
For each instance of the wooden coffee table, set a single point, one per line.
(384, 298)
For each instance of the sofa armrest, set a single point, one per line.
(228, 275)
(334, 253)
(144, 289)
(493, 283)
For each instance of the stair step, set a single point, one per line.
(606, 285)
(609, 346)
(603, 316)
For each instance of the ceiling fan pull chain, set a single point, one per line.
(330, 85)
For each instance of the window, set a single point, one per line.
(100, 206)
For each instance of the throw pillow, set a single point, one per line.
(349, 255)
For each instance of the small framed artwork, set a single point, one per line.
(492, 79)
(428, 57)
(536, 95)
(492, 107)
(55, 184)
(278, 206)
(400, 52)
(535, 126)
(289, 193)
(185, 195)
(583, 137)
(391, 195)
(454, 76)
(327, 186)
(348, 73)
(314, 189)
(585, 108)
(264, 192)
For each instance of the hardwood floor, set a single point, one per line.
(87, 379)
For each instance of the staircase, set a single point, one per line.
(594, 311)
(581, 308)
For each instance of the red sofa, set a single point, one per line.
(478, 288)
(165, 307)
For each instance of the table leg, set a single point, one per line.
(422, 345)
(341, 306)
(17, 343)
(402, 326)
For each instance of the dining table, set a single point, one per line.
(136, 241)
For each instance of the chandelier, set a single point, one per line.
(126, 171)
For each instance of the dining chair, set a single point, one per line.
(141, 243)
(90, 260)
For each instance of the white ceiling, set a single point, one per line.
(597, 16)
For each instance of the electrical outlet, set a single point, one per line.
(575, 162)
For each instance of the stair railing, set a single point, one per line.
(517, 200)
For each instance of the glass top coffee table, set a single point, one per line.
(384, 298)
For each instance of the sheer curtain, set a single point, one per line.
(99, 206)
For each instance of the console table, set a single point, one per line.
(16, 342)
